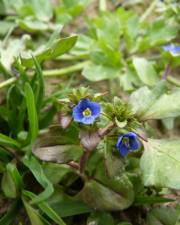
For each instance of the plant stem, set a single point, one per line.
(167, 71)
(8, 82)
(105, 131)
(173, 80)
(72, 57)
(63, 71)
(102, 5)
(50, 73)
(83, 161)
(148, 11)
(74, 165)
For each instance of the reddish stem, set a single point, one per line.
(143, 138)
(83, 161)
(167, 71)
(74, 165)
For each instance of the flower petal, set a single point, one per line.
(130, 135)
(95, 109)
(174, 50)
(77, 113)
(78, 110)
(168, 47)
(123, 150)
(134, 143)
(88, 120)
(84, 103)
(119, 142)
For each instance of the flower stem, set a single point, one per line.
(69, 57)
(50, 73)
(167, 71)
(73, 164)
(169, 78)
(173, 80)
(63, 71)
(105, 131)
(148, 11)
(102, 5)
(8, 82)
(83, 161)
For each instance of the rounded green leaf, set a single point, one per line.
(160, 163)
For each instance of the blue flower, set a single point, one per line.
(174, 50)
(86, 111)
(128, 142)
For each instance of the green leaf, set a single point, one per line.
(37, 171)
(104, 55)
(56, 136)
(32, 114)
(59, 145)
(4, 155)
(56, 172)
(115, 194)
(152, 104)
(145, 199)
(59, 153)
(10, 7)
(11, 214)
(8, 186)
(126, 223)
(160, 163)
(12, 49)
(16, 115)
(39, 94)
(54, 36)
(143, 98)
(11, 168)
(120, 124)
(169, 123)
(57, 48)
(107, 29)
(44, 206)
(8, 141)
(145, 71)
(163, 216)
(5, 27)
(157, 33)
(100, 218)
(62, 46)
(42, 9)
(97, 72)
(129, 80)
(47, 117)
(160, 109)
(12, 181)
(33, 214)
(161, 32)
(66, 206)
(33, 25)
(82, 46)
(102, 197)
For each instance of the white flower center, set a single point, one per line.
(87, 112)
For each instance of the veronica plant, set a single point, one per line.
(60, 149)
(86, 149)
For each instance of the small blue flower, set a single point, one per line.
(86, 111)
(174, 50)
(128, 142)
